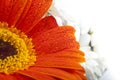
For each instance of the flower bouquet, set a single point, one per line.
(36, 43)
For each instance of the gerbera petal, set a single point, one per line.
(69, 59)
(78, 77)
(45, 24)
(72, 54)
(35, 75)
(10, 10)
(81, 74)
(26, 9)
(7, 77)
(57, 62)
(16, 11)
(58, 73)
(68, 53)
(37, 9)
(5, 9)
(55, 40)
(22, 77)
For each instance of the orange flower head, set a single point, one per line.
(33, 47)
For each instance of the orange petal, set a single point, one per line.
(55, 40)
(60, 62)
(5, 9)
(21, 77)
(78, 77)
(60, 74)
(17, 9)
(37, 9)
(7, 77)
(68, 53)
(72, 57)
(81, 74)
(25, 11)
(35, 75)
(45, 24)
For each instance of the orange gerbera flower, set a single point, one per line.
(35, 48)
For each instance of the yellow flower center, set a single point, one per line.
(16, 50)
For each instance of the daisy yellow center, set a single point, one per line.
(16, 50)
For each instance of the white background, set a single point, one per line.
(104, 17)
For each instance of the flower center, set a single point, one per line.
(6, 49)
(16, 50)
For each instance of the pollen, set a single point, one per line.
(24, 55)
